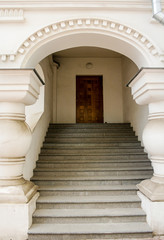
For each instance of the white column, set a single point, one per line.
(18, 88)
(148, 88)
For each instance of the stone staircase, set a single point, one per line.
(87, 176)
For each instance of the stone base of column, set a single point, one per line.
(153, 188)
(17, 191)
(16, 219)
(154, 213)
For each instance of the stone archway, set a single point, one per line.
(96, 32)
(92, 32)
(59, 36)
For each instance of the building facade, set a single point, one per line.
(118, 40)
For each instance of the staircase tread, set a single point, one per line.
(89, 124)
(83, 131)
(88, 199)
(98, 147)
(93, 160)
(92, 154)
(104, 139)
(98, 144)
(89, 212)
(93, 128)
(85, 178)
(92, 148)
(93, 169)
(89, 135)
(84, 142)
(88, 188)
(95, 228)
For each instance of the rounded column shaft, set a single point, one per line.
(148, 88)
(18, 88)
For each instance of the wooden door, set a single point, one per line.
(89, 99)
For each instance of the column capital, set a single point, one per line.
(147, 86)
(19, 86)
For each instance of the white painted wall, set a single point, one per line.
(110, 68)
(39, 131)
(136, 114)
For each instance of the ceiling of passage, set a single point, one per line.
(87, 52)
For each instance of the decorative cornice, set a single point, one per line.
(11, 15)
(101, 4)
(85, 24)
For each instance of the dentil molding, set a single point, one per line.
(11, 15)
(89, 24)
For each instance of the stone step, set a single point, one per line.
(89, 215)
(89, 231)
(90, 164)
(90, 130)
(99, 158)
(87, 176)
(93, 145)
(87, 202)
(94, 151)
(107, 190)
(93, 134)
(89, 125)
(93, 172)
(95, 180)
(118, 139)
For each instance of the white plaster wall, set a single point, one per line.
(110, 68)
(136, 114)
(40, 129)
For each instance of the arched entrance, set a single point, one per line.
(88, 32)
(91, 32)
(63, 35)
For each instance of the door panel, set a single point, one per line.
(89, 99)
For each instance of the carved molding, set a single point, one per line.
(73, 4)
(148, 87)
(85, 23)
(11, 15)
